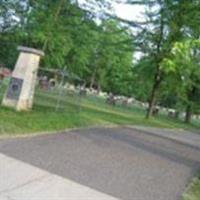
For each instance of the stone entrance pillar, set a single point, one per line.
(20, 92)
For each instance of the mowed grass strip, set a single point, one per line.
(193, 191)
(52, 112)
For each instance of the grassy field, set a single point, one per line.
(57, 111)
(193, 191)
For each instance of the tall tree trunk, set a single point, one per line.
(188, 114)
(93, 77)
(156, 85)
(158, 73)
(152, 100)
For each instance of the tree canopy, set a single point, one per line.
(98, 46)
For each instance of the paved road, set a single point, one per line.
(180, 136)
(122, 163)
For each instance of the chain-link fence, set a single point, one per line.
(55, 90)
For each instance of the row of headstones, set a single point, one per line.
(130, 101)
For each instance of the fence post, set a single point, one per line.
(60, 94)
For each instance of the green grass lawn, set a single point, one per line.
(71, 113)
(193, 191)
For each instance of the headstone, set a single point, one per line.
(20, 92)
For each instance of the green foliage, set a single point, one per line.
(9, 35)
(165, 23)
(100, 55)
(184, 65)
(114, 64)
(142, 79)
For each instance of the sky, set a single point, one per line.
(126, 11)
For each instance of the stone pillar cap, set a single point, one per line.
(30, 50)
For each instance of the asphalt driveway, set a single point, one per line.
(120, 162)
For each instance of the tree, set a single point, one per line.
(114, 59)
(166, 22)
(95, 58)
(184, 64)
(10, 13)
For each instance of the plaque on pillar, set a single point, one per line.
(14, 89)
(20, 92)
